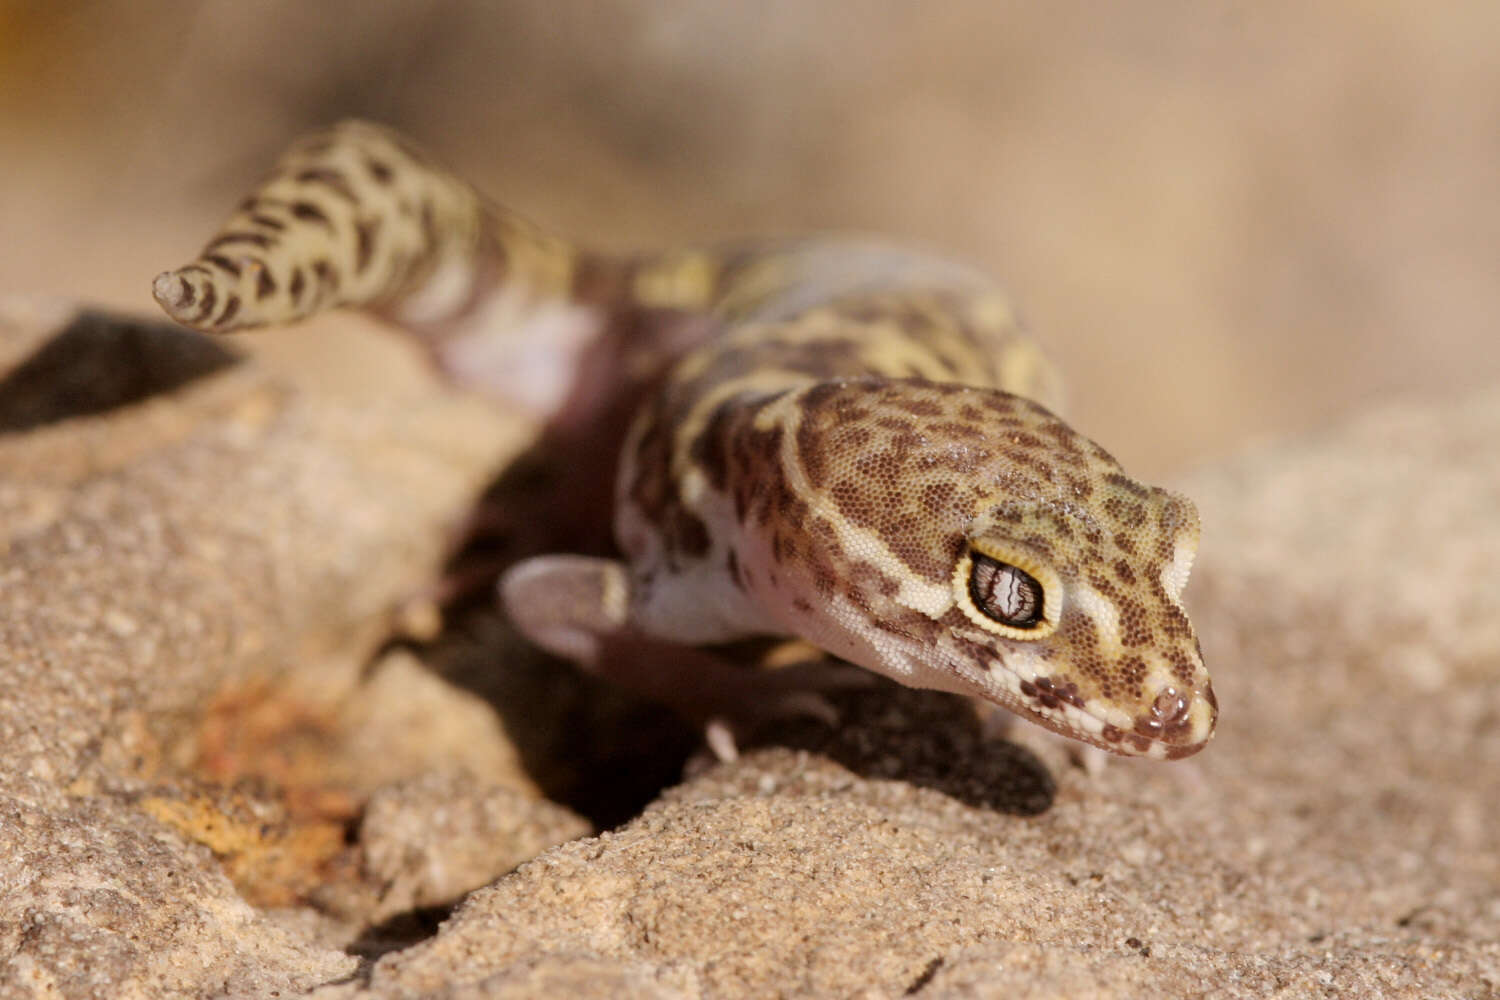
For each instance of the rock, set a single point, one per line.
(177, 527)
(429, 840)
(1338, 836)
(193, 578)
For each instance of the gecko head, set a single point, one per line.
(994, 551)
(1076, 620)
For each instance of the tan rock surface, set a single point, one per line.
(203, 797)
(165, 557)
(1337, 839)
(1226, 220)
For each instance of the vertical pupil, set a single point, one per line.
(1009, 595)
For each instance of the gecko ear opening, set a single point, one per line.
(1007, 591)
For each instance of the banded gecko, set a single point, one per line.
(840, 441)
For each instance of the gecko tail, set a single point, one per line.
(354, 216)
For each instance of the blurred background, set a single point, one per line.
(1224, 220)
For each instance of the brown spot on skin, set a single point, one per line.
(1132, 674)
(918, 407)
(1065, 438)
(364, 235)
(802, 604)
(689, 534)
(601, 280)
(223, 263)
(1099, 453)
(1029, 461)
(709, 450)
(903, 427)
(1127, 484)
(379, 170)
(649, 490)
(265, 284)
(254, 239)
(210, 299)
(1175, 623)
(781, 548)
(1060, 524)
(429, 226)
(883, 624)
(1012, 515)
(953, 428)
(855, 438)
(326, 274)
(1104, 585)
(308, 212)
(789, 507)
(1081, 633)
(825, 580)
(1135, 627)
(906, 544)
(1130, 514)
(1041, 544)
(871, 578)
(1182, 666)
(329, 178)
(938, 498)
(918, 626)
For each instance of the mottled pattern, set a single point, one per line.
(848, 428)
(858, 503)
(355, 216)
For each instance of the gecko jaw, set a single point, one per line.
(1179, 722)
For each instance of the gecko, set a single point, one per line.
(841, 441)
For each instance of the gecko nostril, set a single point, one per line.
(1169, 711)
(1169, 707)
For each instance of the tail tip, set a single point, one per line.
(173, 292)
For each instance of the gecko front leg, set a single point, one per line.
(571, 606)
(578, 608)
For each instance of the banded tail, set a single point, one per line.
(354, 216)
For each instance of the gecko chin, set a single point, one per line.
(1172, 720)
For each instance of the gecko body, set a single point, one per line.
(840, 441)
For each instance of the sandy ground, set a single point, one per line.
(1225, 219)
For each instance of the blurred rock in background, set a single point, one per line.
(1225, 219)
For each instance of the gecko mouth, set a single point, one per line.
(1179, 721)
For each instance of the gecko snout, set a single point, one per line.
(1180, 719)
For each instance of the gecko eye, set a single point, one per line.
(1009, 595)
